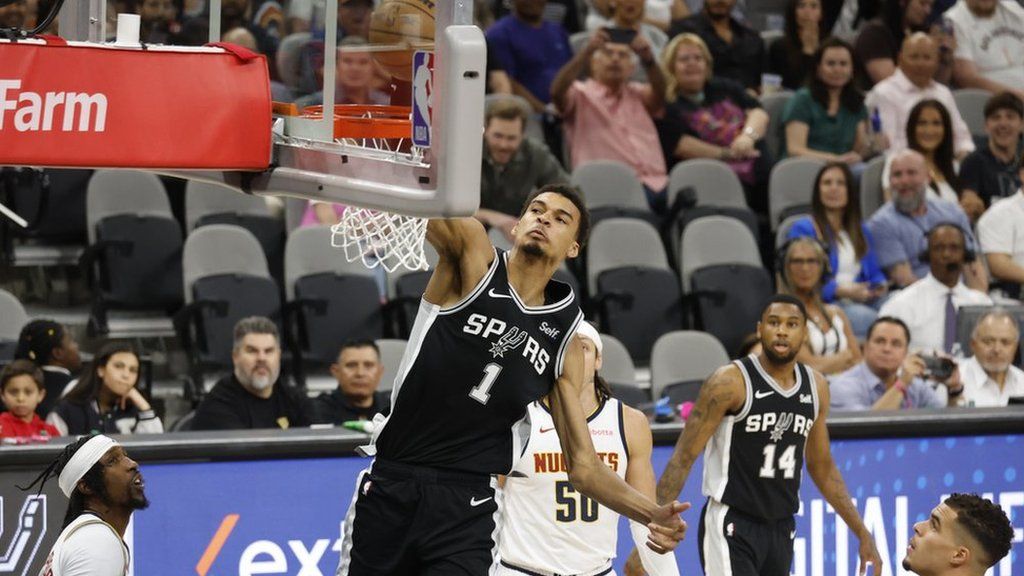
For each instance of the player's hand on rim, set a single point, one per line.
(667, 527)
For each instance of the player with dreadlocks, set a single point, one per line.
(104, 487)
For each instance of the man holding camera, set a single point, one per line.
(929, 306)
(891, 379)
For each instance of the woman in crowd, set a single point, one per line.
(106, 398)
(659, 13)
(708, 117)
(830, 346)
(857, 282)
(827, 119)
(792, 55)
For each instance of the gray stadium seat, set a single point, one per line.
(294, 210)
(871, 196)
(203, 199)
(618, 242)
(716, 240)
(790, 187)
(713, 181)
(971, 103)
(12, 318)
(116, 192)
(391, 352)
(607, 183)
(684, 356)
(616, 365)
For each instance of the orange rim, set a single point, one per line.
(367, 121)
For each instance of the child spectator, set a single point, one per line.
(22, 389)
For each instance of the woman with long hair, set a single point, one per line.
(857, 283)
(827, 118)
(792, 55)
(712, 117)
(830, 346)
(106, 398)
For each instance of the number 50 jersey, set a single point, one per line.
(754, 461)
(469, 371)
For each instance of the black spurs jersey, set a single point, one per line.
(754, 461)
(469, 372)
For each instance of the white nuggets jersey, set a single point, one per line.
(88, 546)
(548, 525)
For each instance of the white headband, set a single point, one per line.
(85, 458)
(587, 330)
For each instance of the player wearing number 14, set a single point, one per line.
(763, 415)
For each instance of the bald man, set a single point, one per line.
(989, 377)
(899, 228)
(965, 535)
(912, 82)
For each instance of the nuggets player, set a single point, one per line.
(763, 415)
(493, 334)
(550, 528)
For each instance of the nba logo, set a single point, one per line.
(422, 97)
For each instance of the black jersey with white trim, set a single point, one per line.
(754, 460)
(469, 372)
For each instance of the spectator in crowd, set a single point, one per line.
(358, 372)
(354, 77)
(22, 389)
(929, 306)
(929, 132)
(13, 15)
(880, 41)
(106, 398)
(353, 20)
(1001, 233)
(989, 376)
(498, 81)
(353, 17)
(530, 49)
(993, 171)
(827, 119)
(989, 51)
(912, 82)
(709, 117)
(900, 227)
(627, 19)
(609, 118)
(889, 378)
(830, 346)
(792, 56)
(564, 13)
(235, 14)
(254, 395)
(660, 13)
(965, 534)
(738, 51)
(857, 283)
(846, 17)
(513, 166)
(158, 21)
(53, 348)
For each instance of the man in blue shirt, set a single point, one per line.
(900, 227)
(888, 378)
(531, 49)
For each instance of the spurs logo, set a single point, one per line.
(783, 424)
(509, 341)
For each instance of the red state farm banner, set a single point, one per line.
(91, 106)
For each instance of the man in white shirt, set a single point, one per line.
(989, 377)
(912, 82)
(989, 46)
(929, 306)
(1001, 234)
(104, 487)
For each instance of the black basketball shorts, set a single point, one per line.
(410, 520)
(731, 542)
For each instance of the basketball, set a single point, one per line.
(407, 25)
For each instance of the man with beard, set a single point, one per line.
(900, 227)
(253, 396)
(763, 415)
(104, 487)
(964, 536)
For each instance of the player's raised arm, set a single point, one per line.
(722, 393)
(465, 253)
(592, 477)
(829, 481)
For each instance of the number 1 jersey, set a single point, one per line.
(754, 461)
(469, 371)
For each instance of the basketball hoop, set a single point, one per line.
(377, 237)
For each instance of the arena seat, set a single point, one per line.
(789, 188)
(12, 318)
(681, 361)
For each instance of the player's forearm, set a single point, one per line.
(597, 481)
(674, 477)
(831, 485)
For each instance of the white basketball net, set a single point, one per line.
(381, 238)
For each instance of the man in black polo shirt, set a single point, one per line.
(737, 50)
(992, 171)
(358, 372)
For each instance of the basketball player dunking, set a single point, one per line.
(762, 415)
(493, 334)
